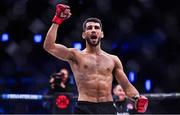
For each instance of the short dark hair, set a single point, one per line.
(91, 20)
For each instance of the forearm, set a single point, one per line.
(131, 91)
(51, 37)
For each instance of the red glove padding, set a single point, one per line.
(141, 104)
(62, 13)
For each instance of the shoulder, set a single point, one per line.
(116, 60)
(75, 52)
(114, 57)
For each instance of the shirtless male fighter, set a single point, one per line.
(92, 67)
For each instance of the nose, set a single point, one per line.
(93, 30)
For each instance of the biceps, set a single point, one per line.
(61, 52)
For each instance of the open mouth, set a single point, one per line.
(93, 37)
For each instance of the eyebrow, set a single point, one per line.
(89, 26)
(96, 26)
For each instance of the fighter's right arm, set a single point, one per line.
(58, 50)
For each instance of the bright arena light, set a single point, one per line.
(77, 45)
(5, 37)
(37, 38)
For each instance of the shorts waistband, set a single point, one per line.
(88, 102)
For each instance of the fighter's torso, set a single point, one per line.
(93, 75)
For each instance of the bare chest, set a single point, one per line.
(98, 64)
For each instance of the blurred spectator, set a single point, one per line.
(59, 82)
(122, 104)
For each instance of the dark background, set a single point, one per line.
(144, 34)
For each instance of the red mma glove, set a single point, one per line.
(62, 13)
(141, 104)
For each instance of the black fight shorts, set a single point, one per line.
(84, 107)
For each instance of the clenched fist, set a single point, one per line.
(62, 13)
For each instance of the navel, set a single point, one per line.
(85, 66)
(108, 69)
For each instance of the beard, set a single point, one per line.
(93, 42)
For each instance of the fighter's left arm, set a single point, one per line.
(122, 79)
(141, 102)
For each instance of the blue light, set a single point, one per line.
(114, 45)
(5, 37)
(77, 45)
(131, 76)
(148, 85)
(2, 111)
(22, 96)
(125, 47)
(37, 38)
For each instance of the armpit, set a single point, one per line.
(72, 58)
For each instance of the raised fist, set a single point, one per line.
(62, 13)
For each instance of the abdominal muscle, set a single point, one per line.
(94, 88)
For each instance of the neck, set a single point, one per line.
(94, 50)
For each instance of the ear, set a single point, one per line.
(102, 34)
(83, 35)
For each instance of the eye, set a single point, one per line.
(97, 27)
(89, 27)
